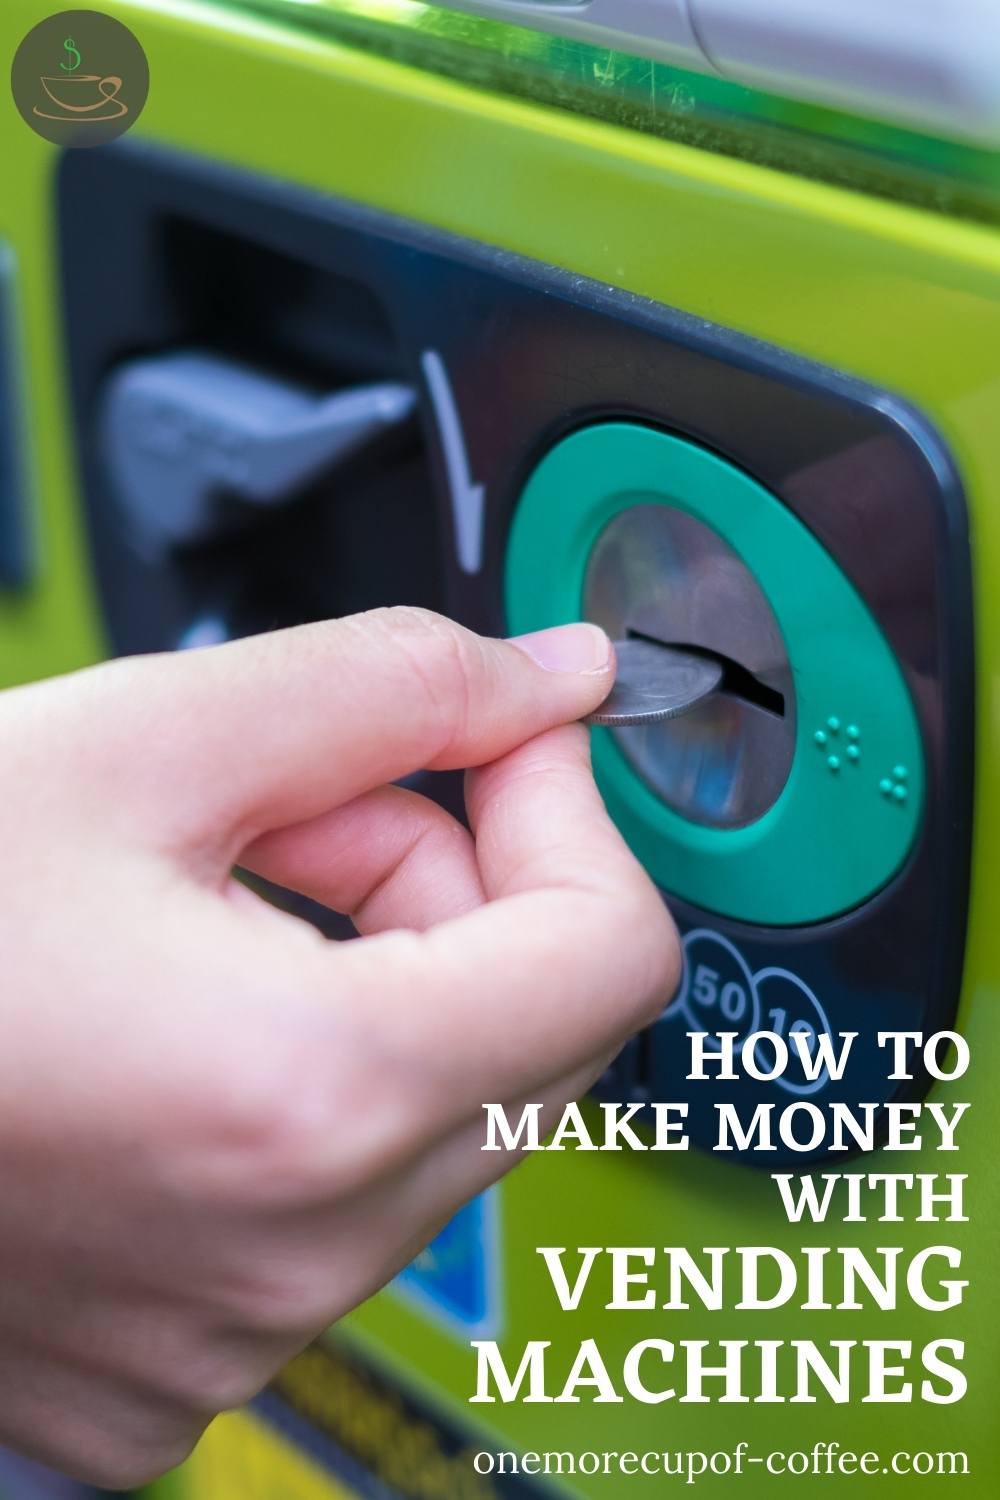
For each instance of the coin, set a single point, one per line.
(654, 683)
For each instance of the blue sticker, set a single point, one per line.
(455, 1278)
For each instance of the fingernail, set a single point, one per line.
(567, 648)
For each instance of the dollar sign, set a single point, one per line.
(70, 47)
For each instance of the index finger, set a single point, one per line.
(274, 730)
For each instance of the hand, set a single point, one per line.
(220, 1131)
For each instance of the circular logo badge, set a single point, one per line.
(80, 78)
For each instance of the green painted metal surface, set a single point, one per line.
(903, 297)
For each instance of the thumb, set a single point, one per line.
(257, 734)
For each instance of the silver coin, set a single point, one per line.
(655, 682)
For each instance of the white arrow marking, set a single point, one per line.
(468, 500)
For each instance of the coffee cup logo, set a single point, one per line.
(87, 94)
(80, 78)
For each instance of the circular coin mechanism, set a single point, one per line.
(657, 574)
(792, 792)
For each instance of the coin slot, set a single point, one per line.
(737, 680)
(660, 574)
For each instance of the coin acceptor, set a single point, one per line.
(381, 303)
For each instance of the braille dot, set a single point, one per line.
(899, 792)
(833, 761)
(900, 773)
(833, 724)
(853, 732)
(885, 786)
(820, 737)
(853, 752)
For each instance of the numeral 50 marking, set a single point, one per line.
(718, 992)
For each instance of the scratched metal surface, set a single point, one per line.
(710, 113)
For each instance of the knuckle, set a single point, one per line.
(352, 1141)
(219, 1383)
(407, 619)
(285, 1304)
(445, 662)
(438, 837)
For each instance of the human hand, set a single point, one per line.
(220, 1131)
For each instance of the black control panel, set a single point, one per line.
(504, 357)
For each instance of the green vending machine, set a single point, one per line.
(681, 317)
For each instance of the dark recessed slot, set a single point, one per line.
(737, 680)
(364, 533)
(361, 538)
(244, 299)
